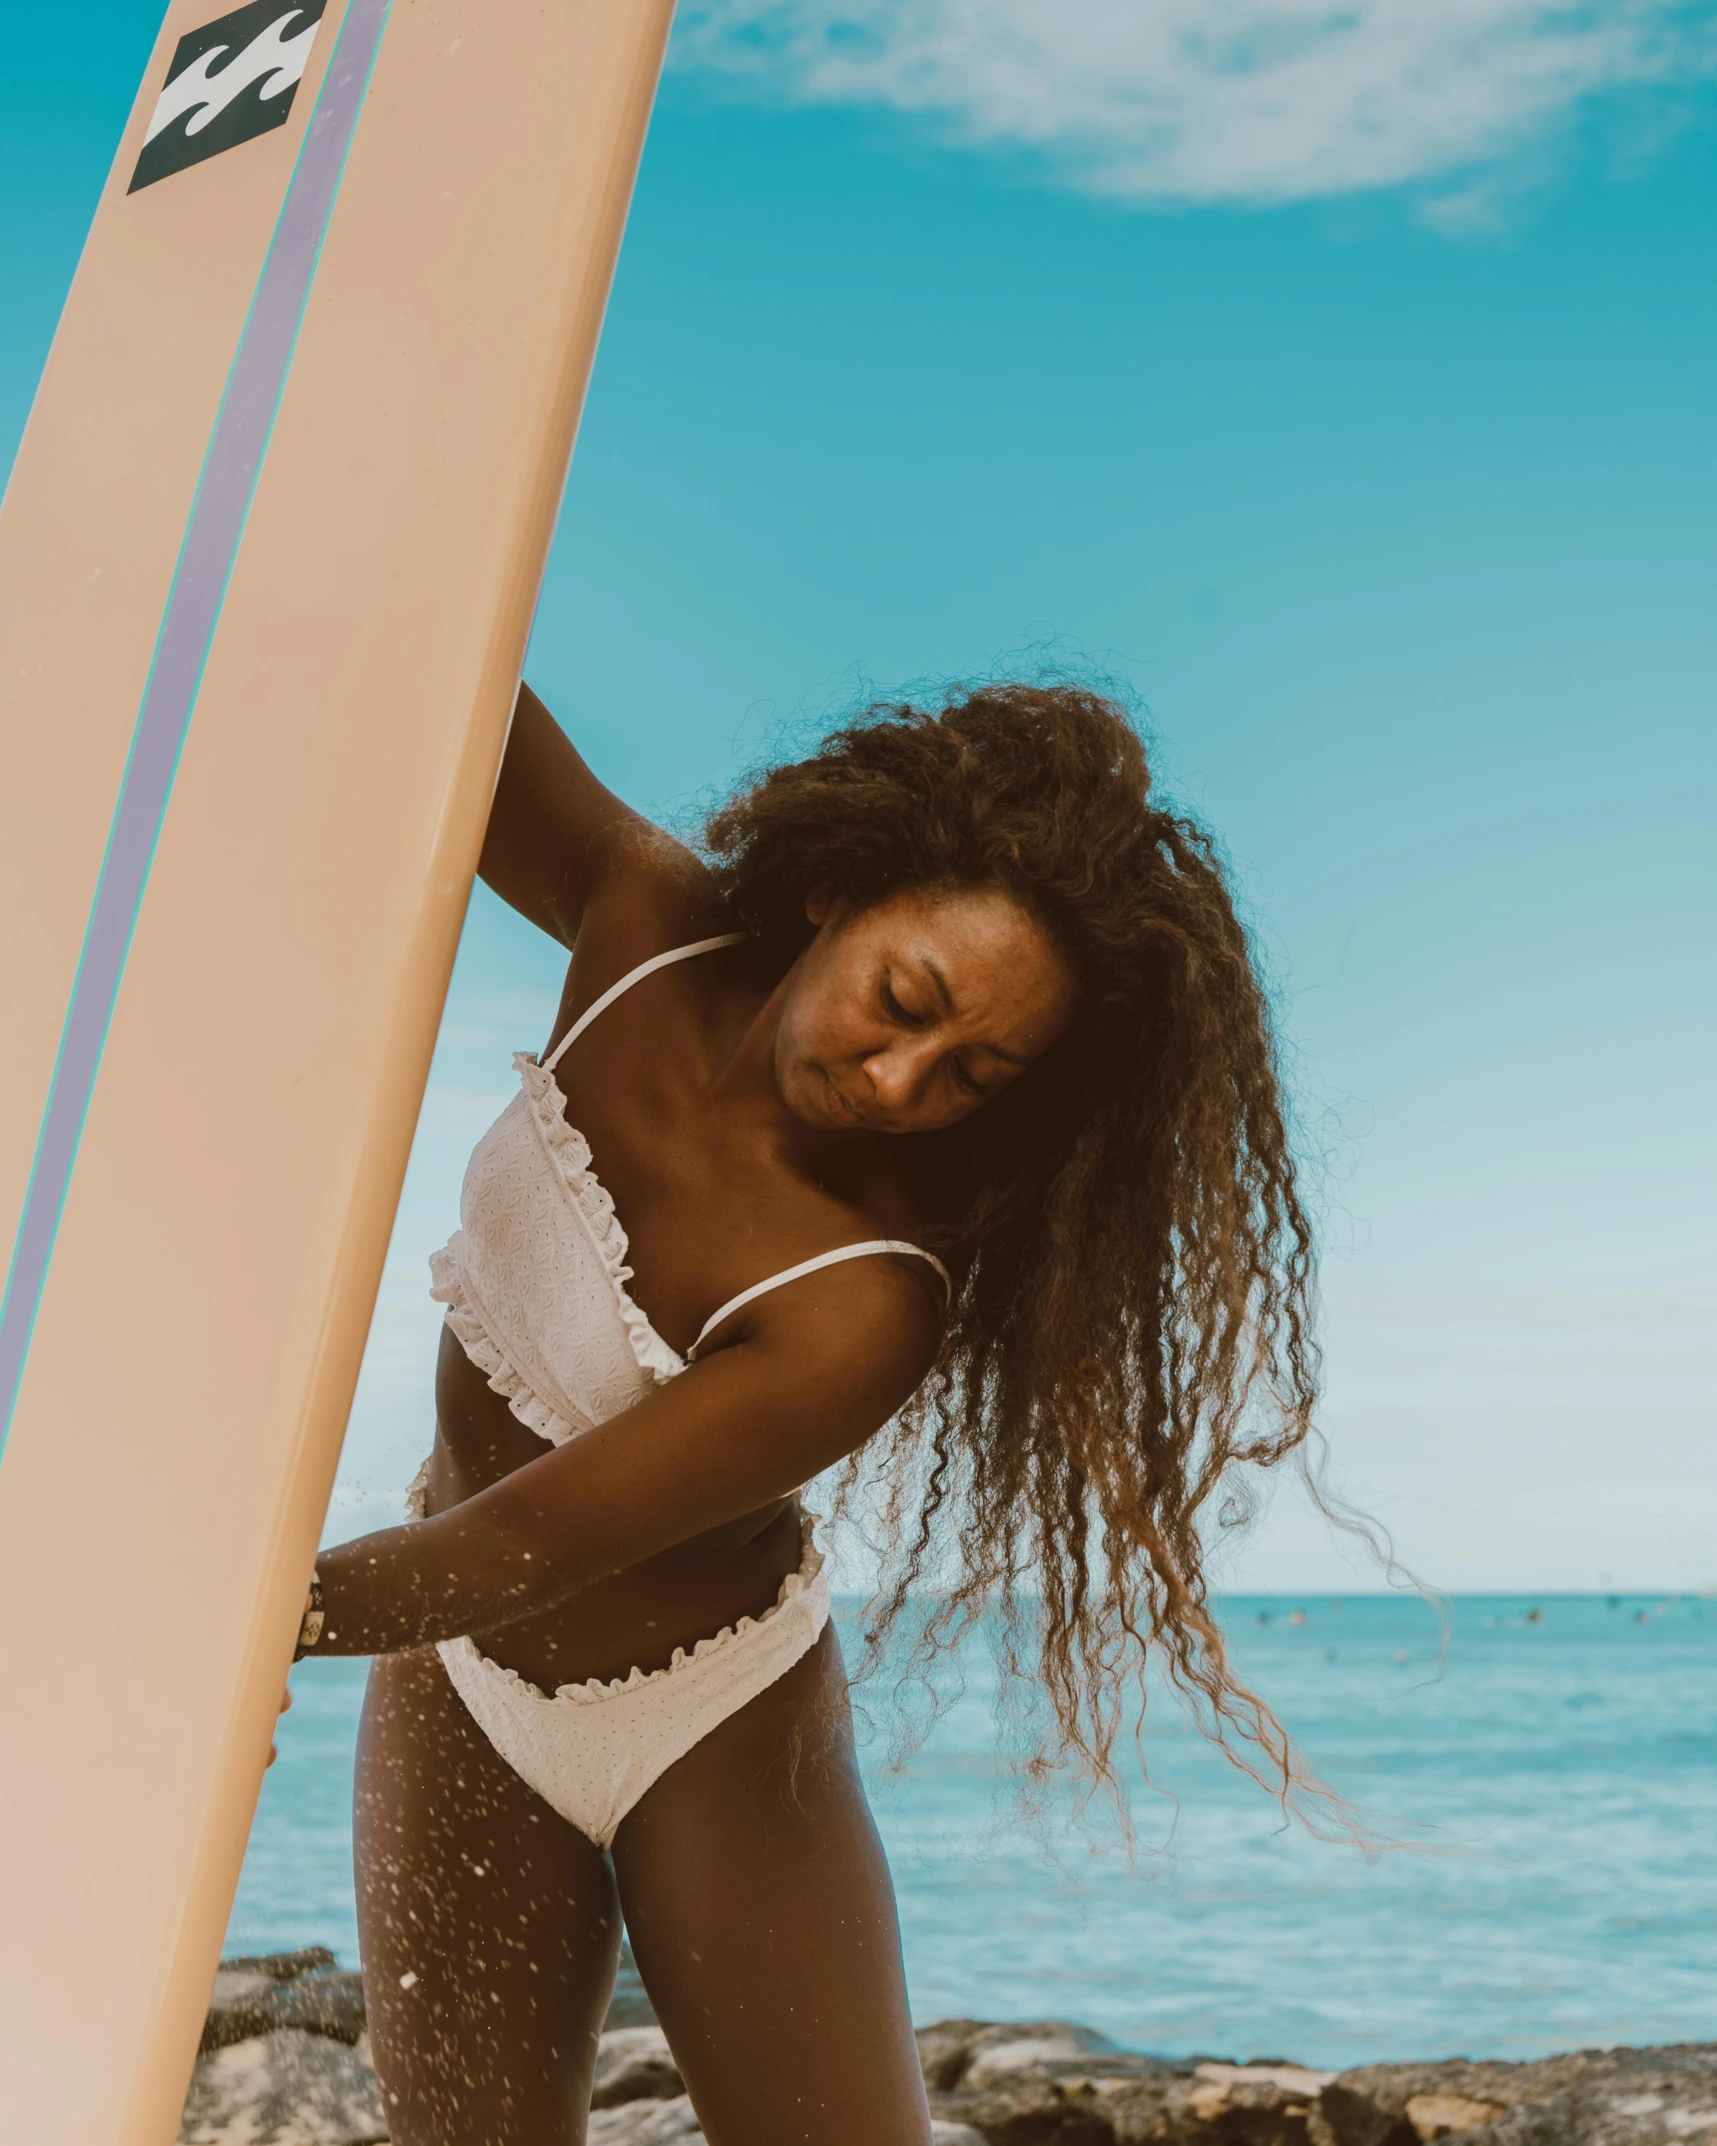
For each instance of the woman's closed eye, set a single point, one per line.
(892, 1006)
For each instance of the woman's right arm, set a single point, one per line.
(810, 1380)
(554, 831)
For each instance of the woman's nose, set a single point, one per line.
(895, 1075)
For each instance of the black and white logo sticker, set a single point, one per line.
(232, 79)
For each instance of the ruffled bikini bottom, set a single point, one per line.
(591, 1750)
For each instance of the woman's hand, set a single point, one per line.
(285, 1702)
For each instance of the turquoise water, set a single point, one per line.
(1562, 1765)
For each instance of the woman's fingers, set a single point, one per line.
(285, 1702)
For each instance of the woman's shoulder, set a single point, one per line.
(847, 1297)
(869, 1220)
(655, 895)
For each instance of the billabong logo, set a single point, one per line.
(232, 79)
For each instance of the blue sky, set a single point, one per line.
(1346, 394)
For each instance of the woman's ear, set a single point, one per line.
(819, 906)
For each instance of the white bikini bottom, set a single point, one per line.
(591, 1750)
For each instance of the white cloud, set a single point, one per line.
(1212, 100)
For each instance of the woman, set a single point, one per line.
(939, 1104)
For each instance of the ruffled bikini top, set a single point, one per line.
(535, 1278)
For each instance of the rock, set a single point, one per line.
(1248, 2104)
(971, 2054)
(1292, 2080)
(1594, 2097)
(1051, 2081)
(644, 2123)
(284, 2089)
(945, 2050)
(257, 1994)
(1107, 2097)
(285, 2063)
(253, 1997)
(1614, 2097)
(1142, 2112)
(281, 1966)
(634, 2064)
(1263, 2104)
(999, 2053)
(1445, 2116)
(241, 2005)
(1029, 2109)
(1373, 2106)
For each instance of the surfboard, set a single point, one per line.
(268, 559)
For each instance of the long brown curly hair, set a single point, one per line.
(1131, 1330)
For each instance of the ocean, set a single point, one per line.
(1551, 1775)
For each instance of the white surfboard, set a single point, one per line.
(268, 559)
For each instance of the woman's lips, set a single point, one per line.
(839, 1107)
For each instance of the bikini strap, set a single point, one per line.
(810, 1266)
(631, 977)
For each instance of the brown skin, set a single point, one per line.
(742, 1122)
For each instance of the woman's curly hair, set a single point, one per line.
(1133, 1269)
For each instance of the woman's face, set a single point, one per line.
(905, 1017)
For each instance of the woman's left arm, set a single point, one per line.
(806, 1384)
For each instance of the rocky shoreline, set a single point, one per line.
(285, 2062)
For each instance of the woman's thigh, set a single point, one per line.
(489, 1927)
(761, 1915)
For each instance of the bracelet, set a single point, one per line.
(310, 1631)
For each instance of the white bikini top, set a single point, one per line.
(535, 1279)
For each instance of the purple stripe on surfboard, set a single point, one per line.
(213, 534)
